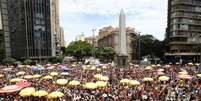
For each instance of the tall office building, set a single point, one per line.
(55, 25)
(30, 28)
(184, 30)
(5, 47)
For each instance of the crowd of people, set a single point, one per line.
(182, 83)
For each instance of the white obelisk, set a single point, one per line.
(122, 34)
(122, 56)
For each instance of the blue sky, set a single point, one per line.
(146, 16)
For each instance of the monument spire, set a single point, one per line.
(122, 33)
(122, 54)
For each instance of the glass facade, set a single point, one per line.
(31, 28)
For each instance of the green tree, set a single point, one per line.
(28, 62)
(58, 59)
(106, 54)
(149, 46)
(9, 61)
(79, 49)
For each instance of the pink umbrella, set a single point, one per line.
(23, 84)
(10, 89)
(188, 77)
(160, 73)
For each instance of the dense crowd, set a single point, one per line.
(182, 83)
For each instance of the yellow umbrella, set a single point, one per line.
(55, 94)
(27, 92)
(20, 73)
(125, 81)
(148, 79)
(16, 80)
(62, 81)
(148, 68)
(40, 93)
(1, 75)
(160, 70)
(158, 65)
(97, 76)
(93, 68)
(90, 85)
(36, 76)
(101, 84)
(197, 64)
(183, 73)
(28, 77)
(199, 75)
(104, 78)
(153, 66)
(48, 77)
(74, 83)
(191, 64)
(134, 82)
(98, 69)
(164, 78)
(54, 73)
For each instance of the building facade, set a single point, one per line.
(92, 40)
(184, 30)
(30, 28)
(108, 38)
(5, 46)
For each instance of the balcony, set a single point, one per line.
(185, 2)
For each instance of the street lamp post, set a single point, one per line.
(93, 51)
(139, 46)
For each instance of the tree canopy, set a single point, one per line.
(79, 49)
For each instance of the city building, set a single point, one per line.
(92, 40)
(57, 31)
(183, 30)
(61, 37)
(108, 38)
(30, 29)
(5, 46)
(80, 37)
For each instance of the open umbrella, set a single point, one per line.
(26, 92)
(148, 68)
(97, 76)
(65, 73)
(36, 76)
(28, 77)
(104, 78)
(62, 81)
(134, 82)
(74, 83)
(40, 93)
(20, 73)
(10, 89)
(125, 81)
(90, 85)
(55, 94)
(188, 77)
(54, 73)
(199, 75)
(164, 78)
(17, 80)
(101, 84)
(23, 84)
(48, 77)
(148, 79)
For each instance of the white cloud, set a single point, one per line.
(147, 16)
